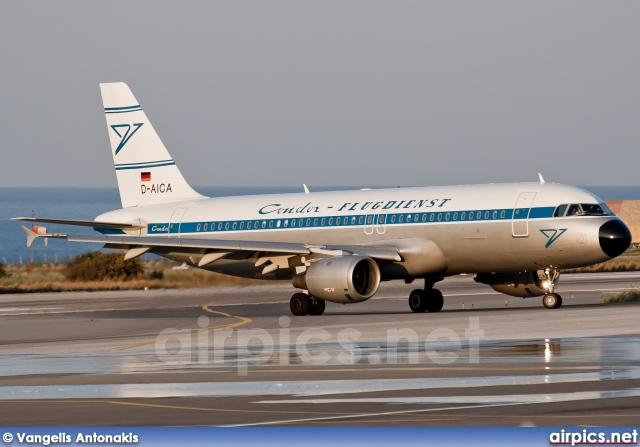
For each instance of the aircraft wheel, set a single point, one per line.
(418, 300)
(552, 301)
(318, 307)
(435, 300)
(300, 304)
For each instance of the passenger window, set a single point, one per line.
(322, 221)
(219, 226)
(439, 217)
(270, 224)
(486, 215)
(226, 226)
(409, 218)
(293, 223)
(574, 210)
(446, 216)
(463, 215)
(264, 224)
(393, 218)
(242, 225)
(431, 217)
(360, 220)
(479, 215)
(315, 222)
(198, 227)
(502, 214)
(495, 215)
(455, 216)
(205, 226)
(401, 218)
(235, 225)
(424, 217)
(309, 222)
(560, 211)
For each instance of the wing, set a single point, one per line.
(206, 251)
(85, 223)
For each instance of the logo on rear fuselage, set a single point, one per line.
(552, 235)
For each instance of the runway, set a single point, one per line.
(233, 356)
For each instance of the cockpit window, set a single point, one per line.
(560, 211)
(582, 209)
(574, 210)
(593, 210)
(606, 209)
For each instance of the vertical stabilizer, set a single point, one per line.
(146, 172)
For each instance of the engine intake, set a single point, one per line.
(524, 284)
(342, 279)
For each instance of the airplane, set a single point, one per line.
(339, 246)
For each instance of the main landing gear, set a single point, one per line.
(429, 299)
(303, 304)
(551, 300)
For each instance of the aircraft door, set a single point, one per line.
(369, 222)
(176, 220)
(520, 221)
(382, 223)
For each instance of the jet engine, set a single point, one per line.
(522, 284)
(341, 279)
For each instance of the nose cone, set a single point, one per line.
(615, 238)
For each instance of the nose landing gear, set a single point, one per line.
(550, 278)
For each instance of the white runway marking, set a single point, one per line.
(296, 388)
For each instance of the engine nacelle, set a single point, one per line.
(524, 284)
(342, 279)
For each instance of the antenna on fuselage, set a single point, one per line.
(306, 190)
(541, 179)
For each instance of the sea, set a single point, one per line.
(87, 203)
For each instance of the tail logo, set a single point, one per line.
(125, 133)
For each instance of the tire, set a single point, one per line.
(418, 301)
(300, 304)
(435, 300)
(552, 301)
(318, 308)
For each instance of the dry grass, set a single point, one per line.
(158, 275)
(628, 296)
(621, 264)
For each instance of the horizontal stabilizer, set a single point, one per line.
(84, 223)
(32, 235)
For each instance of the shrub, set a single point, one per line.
(98, 266)
(628, 296)
(3, 271)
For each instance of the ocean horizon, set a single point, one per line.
(87, 203)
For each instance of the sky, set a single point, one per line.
(350, 93)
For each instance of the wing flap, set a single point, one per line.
(216, 244)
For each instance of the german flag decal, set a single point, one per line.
(145, 176)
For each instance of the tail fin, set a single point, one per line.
(145, 171)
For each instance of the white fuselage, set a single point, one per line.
(478, 228)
